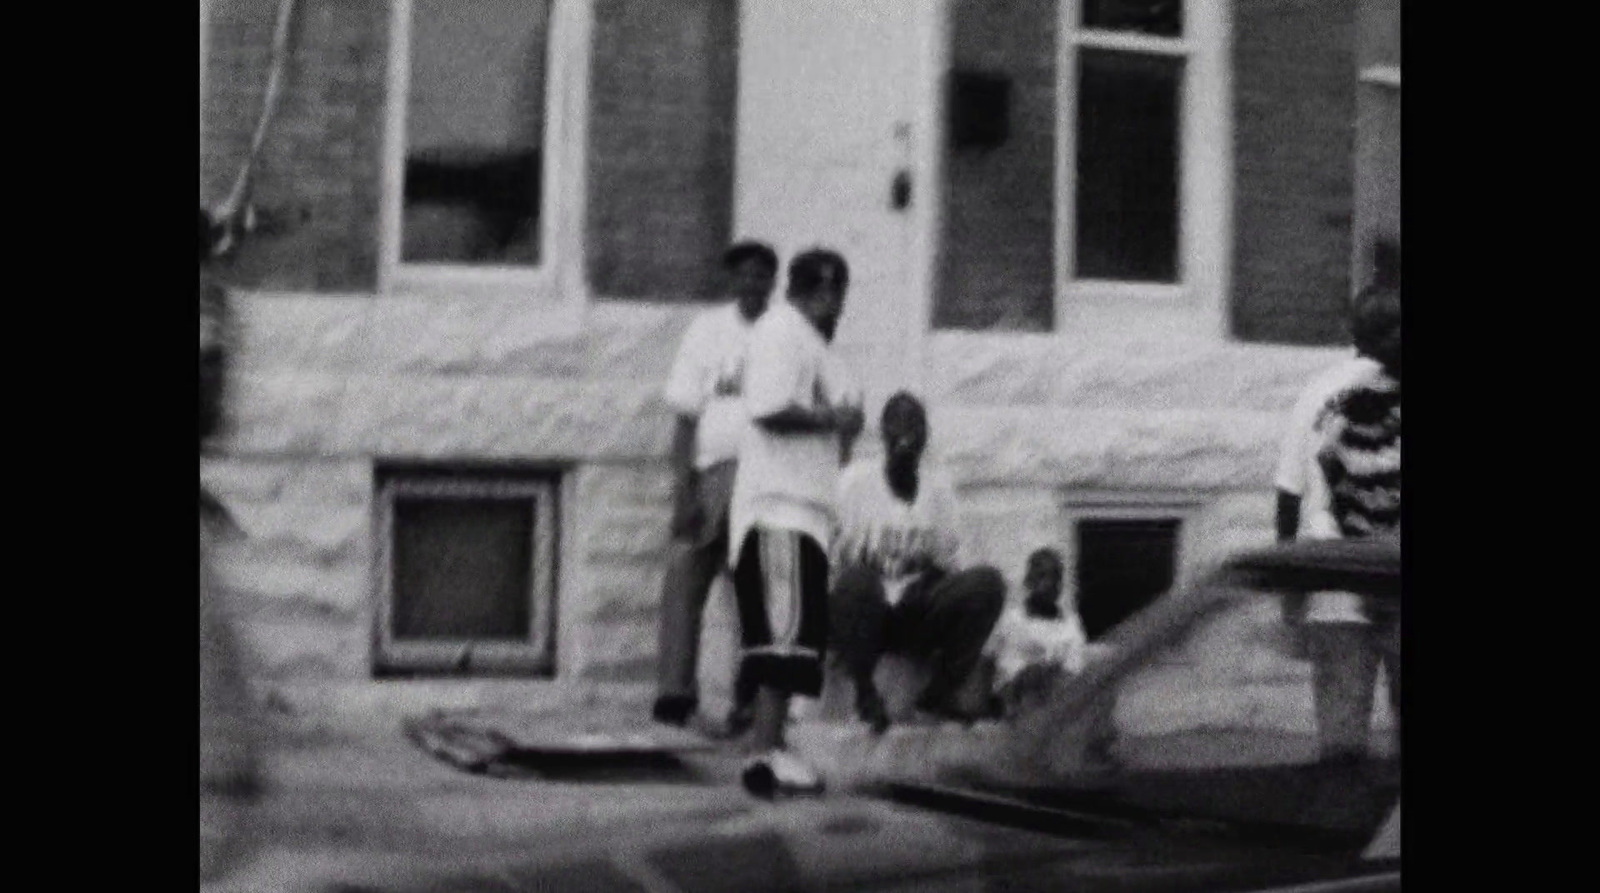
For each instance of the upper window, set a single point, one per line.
(560, 145)
(475, 113)
(1106, 183)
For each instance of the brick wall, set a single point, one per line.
(997, 251)
(661, 135)
(1294, 75)
(662, 95)
(318, 175)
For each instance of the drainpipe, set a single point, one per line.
(236, 214)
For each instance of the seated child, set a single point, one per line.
(1036, 644)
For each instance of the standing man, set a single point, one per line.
(901, 586)
(783, 512)
(705, 389)
(1296, 458)
(1355, 493)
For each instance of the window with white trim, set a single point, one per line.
(470, 135)
(1108, 183)
(466, 571)
(560, 147)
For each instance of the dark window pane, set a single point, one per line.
(662, 101)
(1127, 167)
(461, 568)
(474, 131)
(1162, 18)
(1122, 566)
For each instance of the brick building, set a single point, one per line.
(1108, 240)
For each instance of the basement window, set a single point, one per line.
(466, 571)
(1123, 564)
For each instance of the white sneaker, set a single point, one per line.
(780, 774)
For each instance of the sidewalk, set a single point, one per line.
(370, 807)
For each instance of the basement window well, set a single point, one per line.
(466, 571)
(1123, 565)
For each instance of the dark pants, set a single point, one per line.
(947, 621)
(692, 569)
(781, 585)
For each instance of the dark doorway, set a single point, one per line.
(1122, 566)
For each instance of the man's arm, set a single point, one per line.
(796, 419)
(1293, 455)
(775, 379)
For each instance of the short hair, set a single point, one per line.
(1050, 554)
(740, 252)
(904, 401)
(809, 270)
(1374, 313)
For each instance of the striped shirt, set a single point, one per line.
(1359, 457)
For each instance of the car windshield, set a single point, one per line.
(1259, 707)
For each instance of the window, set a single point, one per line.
(1123, 564)
(1111, 186)
(467, 565)
(560, 147)
(480, 177)
(1124, 550)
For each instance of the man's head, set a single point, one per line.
(1375, 325)
(818, 280)
(1043, 582)
(904, 426)
(751, 269)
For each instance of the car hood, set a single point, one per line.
(876, 841)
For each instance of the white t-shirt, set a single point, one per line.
(896, 539)
(707, 381)
(1021, 641)
(786, 481)
(1301, 440)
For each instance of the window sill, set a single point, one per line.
(523, 287)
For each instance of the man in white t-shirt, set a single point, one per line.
(705, 390)
(901, 586)
(783, 512)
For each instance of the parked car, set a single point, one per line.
(1185, 759)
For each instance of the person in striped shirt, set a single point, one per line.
(1354, 492)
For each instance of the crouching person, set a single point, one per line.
(1040, 642)
(900, 586)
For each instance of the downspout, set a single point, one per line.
(236, 215)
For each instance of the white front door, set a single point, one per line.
(839, 99)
